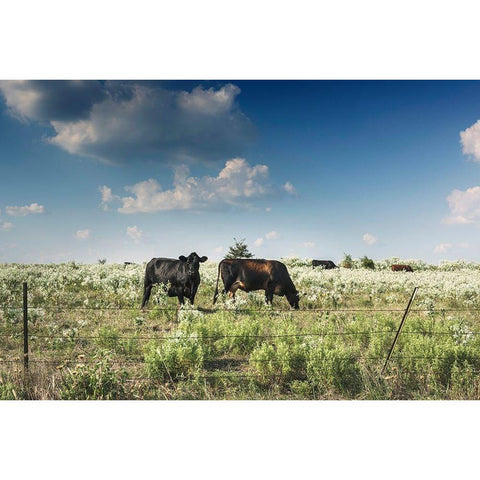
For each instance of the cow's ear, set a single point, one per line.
(183, 258)
(203, 259)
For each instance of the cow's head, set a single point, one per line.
(293, 298)
(193, 262)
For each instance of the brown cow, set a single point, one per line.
(402, 268)
(248, 275)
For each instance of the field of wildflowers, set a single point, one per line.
(90, 340)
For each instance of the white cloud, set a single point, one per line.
(218, 249)
(6, 226)
(445, 247)
(369, 239)
(308, 244)
(442, 248)
(289, 188)
(268, 209)
(107, 196)
(236, 184)
(134, 233)
(268, 236)
(46, 100)
(25, 210)
(126, 121)
(470, 140)
(82, 234)
(464, 206)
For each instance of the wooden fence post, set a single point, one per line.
(400, 328)
(25, 326)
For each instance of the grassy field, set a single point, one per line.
(90, 340)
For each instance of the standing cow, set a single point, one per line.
(402, 268)
(248, 275)
(182, 275)
(326, 264)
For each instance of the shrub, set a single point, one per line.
(108, 337)
(7, 388)
(280, 363)
(96, 381)
(347, 261)
(174, 358)
(335, 370)
(366, 262)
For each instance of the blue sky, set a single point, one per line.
(131, 170)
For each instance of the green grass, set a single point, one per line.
(235, 353)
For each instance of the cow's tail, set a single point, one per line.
(215, 295)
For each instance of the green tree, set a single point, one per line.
(347, 261)
(367, 262)
(239, 250)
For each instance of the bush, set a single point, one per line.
(108, 337)
(280, 363)
(366, 262)
(174, 358)
(96, 381)
(347, 261)
(335, 371)
(7, 389)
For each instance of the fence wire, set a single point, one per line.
(69, 361)
(237, 310)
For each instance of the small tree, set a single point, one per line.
(367, 263)
(102, 261)
(347, 261)
(239, 250)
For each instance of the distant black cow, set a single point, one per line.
(182, 275)
(248, 275)
(402, 268)
(327, 264)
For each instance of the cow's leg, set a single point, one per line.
(181, 297)
(146, 293)
(193, 292)
(269, 293)
(233, 289)
(228, 286)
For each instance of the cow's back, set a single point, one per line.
(256, 274)
(163, 270)
(401, 268)
(327, 264)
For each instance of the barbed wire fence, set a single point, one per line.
(29, 337)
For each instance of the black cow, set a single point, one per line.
(182, 275)
(248, 275)
(327, 264)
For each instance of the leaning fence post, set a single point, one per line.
(25, 326)
(400, 328)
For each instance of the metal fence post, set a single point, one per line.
(400, 328)
(25, 326)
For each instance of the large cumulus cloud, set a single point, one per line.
(464, 206)
(52, 100)
(237, 184)
(126, 121)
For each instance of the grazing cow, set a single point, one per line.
(182, 275)
(248, 275)
(402, 268)
(326, 264)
